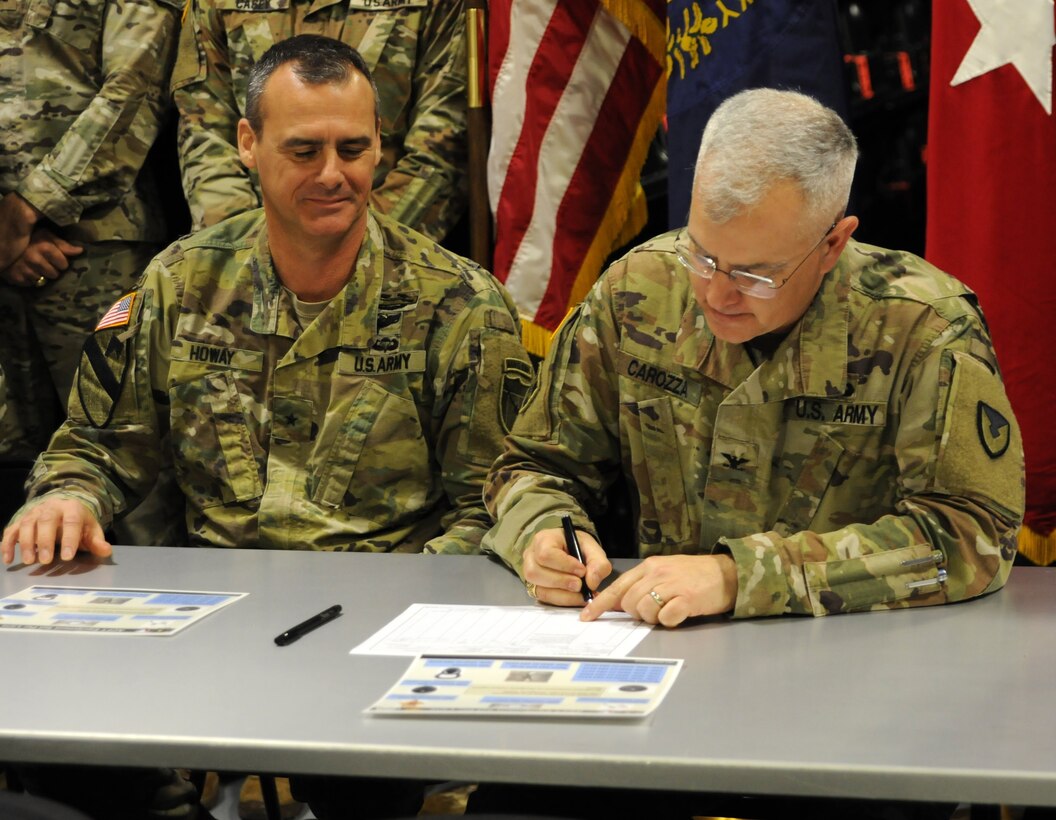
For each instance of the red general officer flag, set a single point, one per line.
(577, 94)
(992, 208)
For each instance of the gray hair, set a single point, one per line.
(763, 136)
(316, 60)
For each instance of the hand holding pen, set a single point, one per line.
(555, 575)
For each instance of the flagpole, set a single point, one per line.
(478, 133)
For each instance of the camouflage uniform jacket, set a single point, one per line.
(415, 49)
(82, 91)
(371, 429)
(872, 462)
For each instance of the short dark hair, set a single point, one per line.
(317, 60)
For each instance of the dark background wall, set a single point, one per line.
(885, 44)
(886, 47)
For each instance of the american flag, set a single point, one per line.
(119, 314)
(577, 94)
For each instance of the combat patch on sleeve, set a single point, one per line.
(104, 362)
(981, 450)
(499, 381)
(517, 380)
(101, 375)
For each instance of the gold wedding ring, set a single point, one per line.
(41, 282)
(529, 587)
(659, 601)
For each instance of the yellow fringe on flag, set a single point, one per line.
(536, 338)
(1040, 549)
(626, 213)
(642, 23)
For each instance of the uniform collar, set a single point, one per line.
(272, 313)
(811, 361)
(354, 308)
(357, 304)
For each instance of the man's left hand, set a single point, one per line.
(667, 589)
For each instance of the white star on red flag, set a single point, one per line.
(1016, 32)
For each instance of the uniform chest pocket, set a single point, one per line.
(78, 23)
(12, 12)
(812, 474)
(213, 450)
(663, 522)
(375, 459)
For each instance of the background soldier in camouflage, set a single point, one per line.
(416, 52)
(807, 424)
(82, 89)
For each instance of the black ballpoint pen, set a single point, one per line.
(303, 628)
(573, 546)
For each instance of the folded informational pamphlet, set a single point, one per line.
(109, 611)
(539, 687)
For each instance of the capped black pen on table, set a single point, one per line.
(573, 546)
(304, 627)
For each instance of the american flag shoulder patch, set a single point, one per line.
(119, 314)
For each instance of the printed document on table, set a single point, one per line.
(547, 687)
(503, 630)
(109, 611)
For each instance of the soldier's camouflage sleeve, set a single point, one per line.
(97, 159)
(427, 187)
(108, 452)
(215, 182)
(960, 499)
(822, 514)
(483, 376)
(563, 453)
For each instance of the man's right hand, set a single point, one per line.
(54, 522)
(558, 577)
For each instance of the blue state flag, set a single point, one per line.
(716, 48)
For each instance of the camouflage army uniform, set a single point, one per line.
(873, 454)
(371, 429)
(82, 87)
(416, 52)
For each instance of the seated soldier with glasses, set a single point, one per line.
(821, 428)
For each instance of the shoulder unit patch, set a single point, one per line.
(995, 432)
